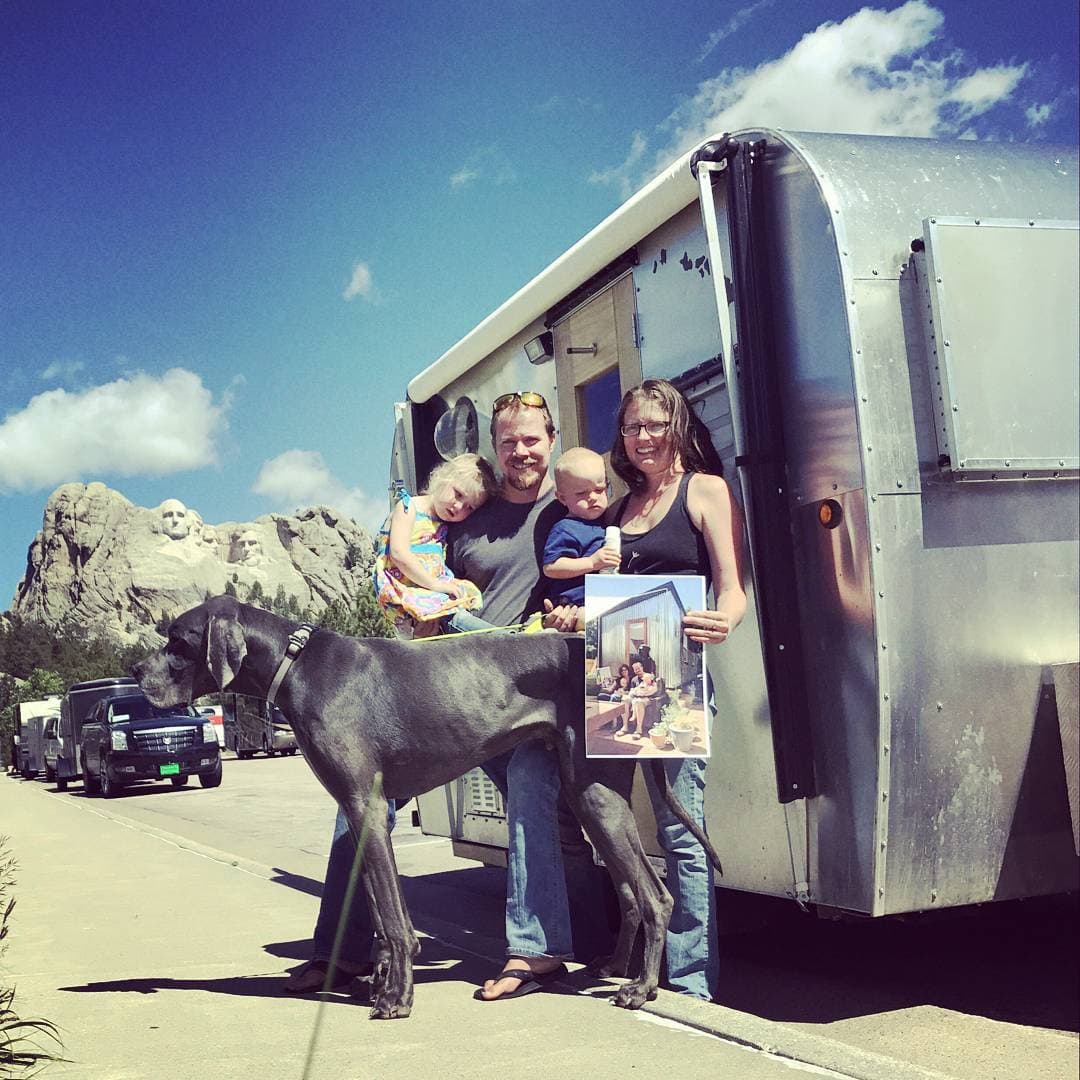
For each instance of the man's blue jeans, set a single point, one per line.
(537, 911)
(356, 945)
(692, 961)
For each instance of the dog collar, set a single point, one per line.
(297, 640)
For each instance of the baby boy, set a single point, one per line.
(575, 545)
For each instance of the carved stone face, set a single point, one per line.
(208, 535)
(248, 548)
(175, 523)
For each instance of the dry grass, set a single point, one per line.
(26, 1046)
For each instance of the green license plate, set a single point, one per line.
(172, 769)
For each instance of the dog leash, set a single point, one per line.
(297, 640)
(534, 624)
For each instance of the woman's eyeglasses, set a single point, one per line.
(653, 427)
(525, 397)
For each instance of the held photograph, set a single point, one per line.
(645, 684)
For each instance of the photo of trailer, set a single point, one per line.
(882, 336)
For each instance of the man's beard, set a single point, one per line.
(524, 480)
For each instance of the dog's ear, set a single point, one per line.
(225, 650)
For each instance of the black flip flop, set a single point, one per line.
(528, 981)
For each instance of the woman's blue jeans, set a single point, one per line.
(537, 911)
(356, 945)
(692, 960)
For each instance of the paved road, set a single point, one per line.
(132, 934)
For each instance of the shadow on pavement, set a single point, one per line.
(435, 964)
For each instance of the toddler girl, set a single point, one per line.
(413, 584)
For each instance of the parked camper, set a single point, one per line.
(64, 753)
(881, 335)
(29, 734)
(253, 725)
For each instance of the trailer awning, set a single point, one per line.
(665, 195)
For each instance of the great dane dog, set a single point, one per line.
(421, 714)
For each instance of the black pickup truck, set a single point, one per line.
(126, 739)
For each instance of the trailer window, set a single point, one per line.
(598, 403)
(1003, 337)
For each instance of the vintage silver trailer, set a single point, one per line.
(882, 335)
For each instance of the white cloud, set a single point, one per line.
(877, 72)
(61, 369)
(362, 283)
(735, 23)
(623, 174)
(463, 176)
(1037, 115)
(299, 478)
(488, 163)
(141, 425)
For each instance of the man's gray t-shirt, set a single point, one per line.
(500, 548)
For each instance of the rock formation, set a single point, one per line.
(105, 565)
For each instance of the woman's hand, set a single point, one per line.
(706, 627)
(454, 588)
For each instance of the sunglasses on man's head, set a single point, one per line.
(525, 397)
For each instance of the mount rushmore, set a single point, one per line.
(105, 565)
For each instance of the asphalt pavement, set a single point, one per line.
(160, 953)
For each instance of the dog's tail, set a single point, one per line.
(660, 776)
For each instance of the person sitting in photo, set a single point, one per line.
(626, 713)
(413, 584)
(575, 545)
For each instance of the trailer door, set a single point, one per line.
(596, 361)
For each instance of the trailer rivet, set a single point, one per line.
(1062, 464)
(886, 697)
(864, 398)
(858, 352)
(884, 796)
(978, 222)
(939, 281)
(883, 645)
(940, 707)
(946, 343)
(1031, 222)
(874, 272)
(881, 593)
(877, 547)
(933, 221)
(933, 894)
(835, 486)
(882, 845)
(781, 648)
(1007, 463)
(886, 748)
(956, 408)
(899, 483)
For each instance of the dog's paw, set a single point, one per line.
(385, 1007)
(633, 995)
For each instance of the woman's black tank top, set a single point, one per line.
(672, 546)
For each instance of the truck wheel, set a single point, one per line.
(178, 781)
(109, 788)
(291, 751)
(268, 750)
(61, 784)
(211, 779)
(50, 774)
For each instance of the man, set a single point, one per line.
(500, 549)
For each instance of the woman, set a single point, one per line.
(679, 518)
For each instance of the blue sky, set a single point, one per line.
(232, 231)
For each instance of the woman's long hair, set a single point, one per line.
(689, 436)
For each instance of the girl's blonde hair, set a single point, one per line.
(469, 473)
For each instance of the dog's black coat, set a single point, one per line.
(421, 715)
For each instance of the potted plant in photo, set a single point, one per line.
(659, 735)
(679, 729)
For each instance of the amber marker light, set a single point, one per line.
(830, 513)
